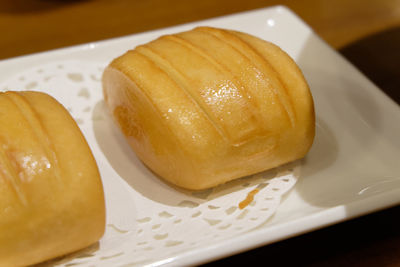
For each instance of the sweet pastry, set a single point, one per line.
(51, 195)
(206, 106)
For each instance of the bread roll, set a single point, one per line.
(51, 195)
(206, 106)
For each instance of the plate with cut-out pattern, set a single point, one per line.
(150, 222)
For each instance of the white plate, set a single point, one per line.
(352, 169)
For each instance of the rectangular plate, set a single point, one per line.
(353, 167)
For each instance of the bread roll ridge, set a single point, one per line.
(179, 80)
(10, 163)
(9, 175)
(262, 65)
(229, 132)
(185, 75)
(32, 119)
(240, 72)
(289, 73)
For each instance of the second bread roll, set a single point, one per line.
(51, 194)
(206, 106)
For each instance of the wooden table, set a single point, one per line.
(28, 26)
(365, 31)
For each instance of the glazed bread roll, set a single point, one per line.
(51, 195)
(206, 106)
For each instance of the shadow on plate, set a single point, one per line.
(354, 154)
(80, 254)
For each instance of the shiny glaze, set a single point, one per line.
(19, 165)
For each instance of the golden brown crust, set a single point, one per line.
(210, 105)
(51, 196)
